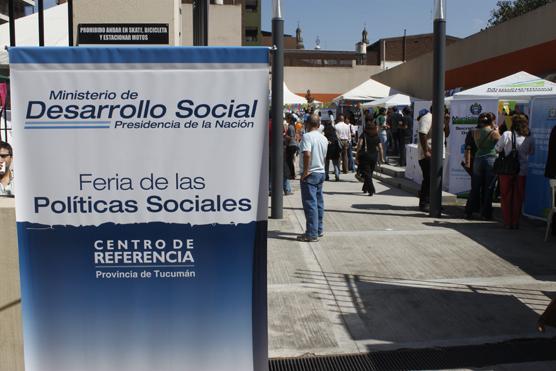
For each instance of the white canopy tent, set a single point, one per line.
(393, 100)
(519, 86)
(27, 31)
(367, 91)
(291, 98)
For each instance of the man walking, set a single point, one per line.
(313, 153)
(344, 134)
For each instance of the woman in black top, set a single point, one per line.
(369, 151)
(333, 152)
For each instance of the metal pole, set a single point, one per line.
(11, 14)
(204, 25)
(276, 147)
(70, 22)
(5, 109)
(200, 22)
(5, 112)
(41, 22)
(438, 110)
(196, 22)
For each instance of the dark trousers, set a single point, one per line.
(290, 155)
(366, 169)
(397, 139)
(345, 157)
(405, 140)
(424, 194)
(482, 186)
(512, 193)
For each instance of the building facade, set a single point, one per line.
(250, 18)
(526, 43)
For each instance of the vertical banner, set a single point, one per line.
(141, 207)
(537, 194)
(464, 118)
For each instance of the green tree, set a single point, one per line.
(508, 9)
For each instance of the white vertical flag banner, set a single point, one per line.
(141, 207)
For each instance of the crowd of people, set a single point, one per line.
(318, 143)
(495, 157)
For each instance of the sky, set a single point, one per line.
(338, 23)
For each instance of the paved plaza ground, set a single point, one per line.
(386, 276)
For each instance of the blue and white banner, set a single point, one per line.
(141, 207)
(537, 194)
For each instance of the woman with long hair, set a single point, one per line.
(512, 187)
(369, 151)
(483, 177)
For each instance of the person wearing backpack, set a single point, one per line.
(512, 186)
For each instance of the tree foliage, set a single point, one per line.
(508, 9)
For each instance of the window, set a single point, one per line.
(251, 6)
(251, 34)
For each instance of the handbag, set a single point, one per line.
(507, 165)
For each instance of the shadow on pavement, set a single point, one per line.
(370, 210)
(524, 248)
(390, 311)
(280, 235)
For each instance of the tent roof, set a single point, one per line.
(518, 85)
(291, 98)
(367, 91)
(393, 100)
(27, 34)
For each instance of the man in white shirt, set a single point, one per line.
(313, 149)
(344, 134)
(424, 155)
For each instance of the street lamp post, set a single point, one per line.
(41, 22)
(438, 109)
(276, 147)
(11, 14)
(200, 22)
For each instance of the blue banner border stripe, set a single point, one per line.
(164, 54)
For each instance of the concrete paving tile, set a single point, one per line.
(298, 323)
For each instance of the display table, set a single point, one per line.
(412, 168)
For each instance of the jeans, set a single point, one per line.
(335, 163)
(482, 182)
(383, 136)
(351, 164)
(313, 204)
(287, 186)
(424, 194)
